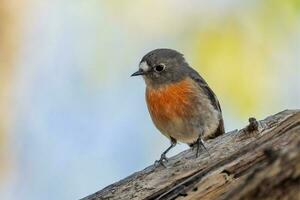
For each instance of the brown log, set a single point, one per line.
(261, 161)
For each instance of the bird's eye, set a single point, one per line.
(159, 68)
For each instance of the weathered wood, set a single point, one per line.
(261, 161)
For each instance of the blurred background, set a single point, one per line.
(72, 119)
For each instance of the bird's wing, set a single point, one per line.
(212, 97)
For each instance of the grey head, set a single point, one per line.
(162, 66)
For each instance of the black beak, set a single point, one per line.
(138, 73)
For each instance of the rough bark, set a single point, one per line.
(261, 161)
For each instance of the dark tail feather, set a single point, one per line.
(221, 129)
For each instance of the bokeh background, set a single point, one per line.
(73, 121)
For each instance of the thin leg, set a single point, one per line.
(200, 143)
(163, 157)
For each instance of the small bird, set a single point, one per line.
(180, 102)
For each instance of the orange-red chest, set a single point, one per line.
(172, 101)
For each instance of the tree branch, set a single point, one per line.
(261, 161)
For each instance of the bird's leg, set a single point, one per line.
(163, 156)
(200, 143)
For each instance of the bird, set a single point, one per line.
(181, 104)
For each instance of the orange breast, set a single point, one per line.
(172, 101)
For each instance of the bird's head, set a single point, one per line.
(162, 66)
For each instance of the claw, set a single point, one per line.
(200, 143)
(161, 161)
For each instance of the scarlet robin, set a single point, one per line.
(181, 104)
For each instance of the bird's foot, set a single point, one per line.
(200, 145)
(163, 159)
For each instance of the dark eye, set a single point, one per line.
(159, 67)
